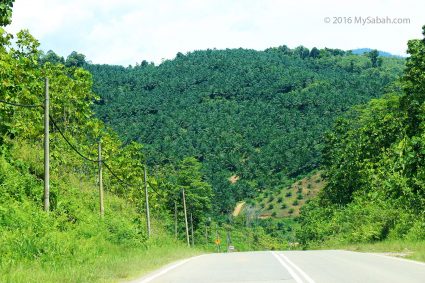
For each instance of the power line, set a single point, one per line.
(115, 175)
(69, 143)
(92, 160)
(121, 180)
(20, 105)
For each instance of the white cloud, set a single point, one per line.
(129, 31)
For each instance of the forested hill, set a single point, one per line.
(258, 116)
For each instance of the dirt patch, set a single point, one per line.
(238, 208)
(265, 216)
(233, 179)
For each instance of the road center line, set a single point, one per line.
(300, 271)
(287, 267)
(162, 272)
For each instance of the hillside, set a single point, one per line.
(258, 115)
(288, 201)
(374, 163)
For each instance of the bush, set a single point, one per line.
(295, 202)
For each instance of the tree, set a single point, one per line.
(314, 53)
(198, 192)
(75, 59)
(374, 58)
(6, 12)
(414, 83)
(302, 51)
(51, 57)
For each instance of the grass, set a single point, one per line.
(115, 265)
(72, 243)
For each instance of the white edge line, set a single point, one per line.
(165, 270)
(398, 258)
(287, 267)
(300, 271)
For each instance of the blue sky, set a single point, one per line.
(128, 31)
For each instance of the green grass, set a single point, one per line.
(114, 265)
(72, 243)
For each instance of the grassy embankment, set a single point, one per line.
(72, 243)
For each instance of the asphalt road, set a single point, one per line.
(291, 266)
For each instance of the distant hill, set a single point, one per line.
(258, 116)
(360, 51)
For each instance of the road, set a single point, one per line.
(291, 266)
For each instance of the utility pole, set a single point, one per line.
(101, 207)
(185, 219)
(218, 241)
(191, 228)
(148, 219)
(46, 148)
(228, 241)
(175, 219)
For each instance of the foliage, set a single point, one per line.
(257, 115)
(374, 164)
(72, 233)
(6, 12)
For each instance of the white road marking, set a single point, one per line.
(398, 258)
(162, 272)
(287, 267)
(300, 271)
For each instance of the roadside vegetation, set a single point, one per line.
(374, 168)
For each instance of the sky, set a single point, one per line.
(126, 32)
